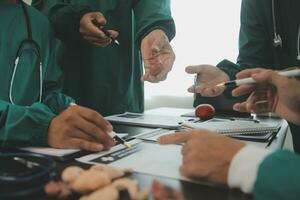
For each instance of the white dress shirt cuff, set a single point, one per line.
(244, 166)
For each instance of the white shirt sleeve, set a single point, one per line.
(244, 166)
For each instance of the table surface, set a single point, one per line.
(191, 191)
(276, 144)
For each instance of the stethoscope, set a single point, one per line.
(277, 41)
(36, 46)
(25, 174)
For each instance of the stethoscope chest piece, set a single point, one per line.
(277, 41)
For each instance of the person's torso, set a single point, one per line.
(287, 22)
(21, 83)
(108, 79)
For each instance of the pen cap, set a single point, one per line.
(112, 134)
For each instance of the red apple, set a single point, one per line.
(205, 111)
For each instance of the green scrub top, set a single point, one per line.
(278, 177)
(106, 79)
(256, 47)
(26, 123)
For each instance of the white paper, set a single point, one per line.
(152, 159)
(153, 135)
(58, 152)
(146, 120)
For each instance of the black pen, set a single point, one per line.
(105, 31)
(114, 136)
(274, 136)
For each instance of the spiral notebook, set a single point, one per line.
(237, 127)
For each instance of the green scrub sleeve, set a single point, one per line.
(231, 69)
(53, 81)
(23, 125)
(64, 17)
(151, 15)
(278, 177)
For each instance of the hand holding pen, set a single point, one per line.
(92, 29)
(108, 129)
(272, 92)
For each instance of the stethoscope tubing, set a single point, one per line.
(19, 53)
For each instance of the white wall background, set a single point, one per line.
(207, 32)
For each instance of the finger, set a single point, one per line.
(185, 149)
(248, 73)
(113, 34)
(84, 145)
(90, 129)
(152, 79)
(272, 99)
(162, 75)
(195, 69)
(99, 44)
(167, 65)
(155, 70)
(54, 189)
(97, 41)
(174, 138)
(261, 107)
(270, 77)
(199, 88)
(247, 106)
(251, 102)
(103, 126)
(95, 118)
(208, 91)
(99, 17)
(192, 89)
(240, 107)
(243, 90)
(146, 75)
(89, 29)
(212, 91)
(80, 134)
(184, 171)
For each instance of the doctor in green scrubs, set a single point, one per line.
(99, 73)
(265, 173)
(269, 38)
(33, 112)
